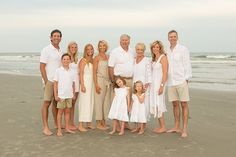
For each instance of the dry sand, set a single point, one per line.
(212, 128)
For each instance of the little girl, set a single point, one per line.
(119, 106)
(138, 108)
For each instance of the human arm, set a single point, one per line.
(55, 86)
(81, 76)
(164, 63)
(43, 72)
(128, 98)
(95, 67)
(141, 98)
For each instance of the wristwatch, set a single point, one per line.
(162, 85)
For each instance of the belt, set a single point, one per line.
(128, 78)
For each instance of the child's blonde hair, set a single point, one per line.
(135, 84)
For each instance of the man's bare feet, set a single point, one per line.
(184, 134)
(159, 130)
(73, 127)
(174, 130)
(59, 134)
(141, 132)
(69, 131)
(112, 132)
(82, 129)
(47, 132)
(90, 127)
(100, 127)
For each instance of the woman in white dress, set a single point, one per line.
(159, 78)
(138, 111)
(72, 50)
(142, 72)
(119, 106)
(86, 96)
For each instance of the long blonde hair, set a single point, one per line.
(88, 59)
(159, 43)
(70, 53)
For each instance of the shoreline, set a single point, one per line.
(212, 124)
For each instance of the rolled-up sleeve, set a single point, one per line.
(44, 56)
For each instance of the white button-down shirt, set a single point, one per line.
(122, 61)
(52, 58)
(179, 65)
(65, 79)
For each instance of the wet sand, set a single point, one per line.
(212, 128)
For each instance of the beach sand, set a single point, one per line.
(212, 128)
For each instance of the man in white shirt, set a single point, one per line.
(50, 60)
(121, 63)
(178, 75)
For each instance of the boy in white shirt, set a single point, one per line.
(64, 91)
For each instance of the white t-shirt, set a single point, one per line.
(122, 61)
(52, 58)
(179, 65)
(142, 71)
(65, 79)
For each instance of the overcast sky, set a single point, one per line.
(203, 25)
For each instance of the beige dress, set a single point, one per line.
(103, 100)
(86, 100)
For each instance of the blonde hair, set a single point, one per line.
(142, 45)
(159, 43)
(70, 53)
(135, 84)
(88, 59)
(104, 42)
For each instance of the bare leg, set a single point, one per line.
(90, 126)
(141, 131)
(185, 118)
(114, 126)
(72, 113)
(136, 128)
(103, 123)
(176, 111)
(122, 130)
(67, 121)
(54, 112)
(59, 117)
(44, 112)
(162, 128)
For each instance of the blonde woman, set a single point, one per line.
(159, 78)
(102, 85)
(86, 96)
(72, 50)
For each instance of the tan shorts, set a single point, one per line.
(48, 91)
(64, 103)
(179, 92)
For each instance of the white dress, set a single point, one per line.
(138, 112)
(142, 72)
(75, 67)
(157, 102)
(86, 100)
(119, 107)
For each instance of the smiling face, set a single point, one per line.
(119, 83)
(156, 49)
(139, 87)
(73, 48)
(139, 51)
(55, 38)
(173, 37)
(124, 42)
(102, 47)
(89, 51)
(65, 61)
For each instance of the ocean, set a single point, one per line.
(213, 71)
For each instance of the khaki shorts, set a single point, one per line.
(179, 92)
(64, 103)
(48, 91)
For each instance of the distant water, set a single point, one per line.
(216, 71)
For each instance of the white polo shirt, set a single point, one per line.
(122, 61)
(52, 58)
(179, 65)
(65, 79)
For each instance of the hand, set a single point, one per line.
(129, 109)
(74, 97)
(57, 98)
(160, 90)
(98, 89)
(83, 89)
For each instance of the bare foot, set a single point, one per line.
(90, 127)
(100, 127)
(121, 133)
(134, 130)
(47, 132)
(159, 130)
(112, 132)
(59, 134)
(69, 131)
(174, 130)
(184, 134)
(141, 132)
(82, 129)
(73, 127)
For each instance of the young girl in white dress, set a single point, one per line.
(138, 111)
(119, 107)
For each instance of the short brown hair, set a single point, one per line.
(172, 31)
(65, 54)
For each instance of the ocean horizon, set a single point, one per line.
(212, 71)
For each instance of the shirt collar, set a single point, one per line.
(54, 47)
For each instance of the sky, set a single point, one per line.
(203, 25)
